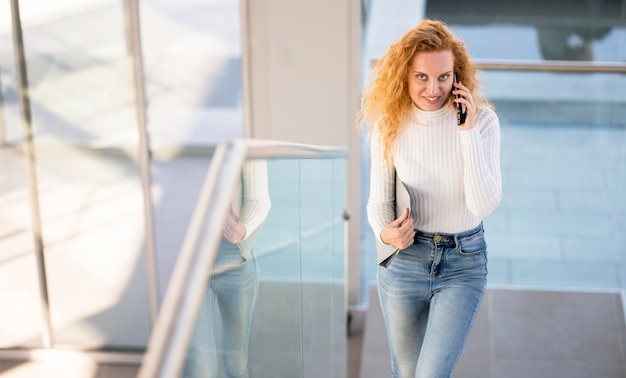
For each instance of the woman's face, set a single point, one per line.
(430, 79)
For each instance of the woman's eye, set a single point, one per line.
(421, 77)
(444, 77)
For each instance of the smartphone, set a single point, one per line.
(460, 113)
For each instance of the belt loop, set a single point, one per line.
(456, 241)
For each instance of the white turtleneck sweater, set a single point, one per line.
(453, 177)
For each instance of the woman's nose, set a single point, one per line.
(433, 87)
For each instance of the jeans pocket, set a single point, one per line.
(473, 245)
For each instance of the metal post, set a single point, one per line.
(24, 101)
(246, 66)
(3, 135)
(133, 28)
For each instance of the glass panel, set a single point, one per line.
(278, 324)
(561, 220)
(227, 334)
(80, 83)
(20, 325)
(284, 283)
(321, 216)
(339, 311)
(550, 98)
(81, 89)
(89, 188)
(539, 30)
(176, 183)
(93, 227)
(563, 139)
(10, 127)
(192, 55)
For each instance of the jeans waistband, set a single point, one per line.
(441, 239)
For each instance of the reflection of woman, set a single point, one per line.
(233, 285)
(432, 182)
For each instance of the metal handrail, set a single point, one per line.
(174, 326)
(550, 65)
(131, 12)
(3, 133)
(257, 148)
(545, 65)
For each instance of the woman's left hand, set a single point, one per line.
(467, 101)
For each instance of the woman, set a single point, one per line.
(432, 183)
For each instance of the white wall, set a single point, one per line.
(301, 64)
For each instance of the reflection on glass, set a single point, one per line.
(322, 198)
(274, 303)
(563, 157)
(233, 285)
(569, 42)
(276, 340)
(556, 98)
(581, 30)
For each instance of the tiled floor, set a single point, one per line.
(526, 333)
(517, 333)
(65, 369)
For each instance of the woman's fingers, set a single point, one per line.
(469, 106)
(400, 236)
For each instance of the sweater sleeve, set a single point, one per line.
(256, 201)
(481, 163)
(380, 206)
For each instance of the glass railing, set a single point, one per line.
(259, 284)
(563, 158)
(564, 177)
(555, 72)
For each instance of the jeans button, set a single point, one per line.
(438, 238)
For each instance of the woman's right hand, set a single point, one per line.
(400, 232)
(234, 229)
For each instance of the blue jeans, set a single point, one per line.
(429, 296)
(231, 294)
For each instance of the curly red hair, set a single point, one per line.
(386, 104)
